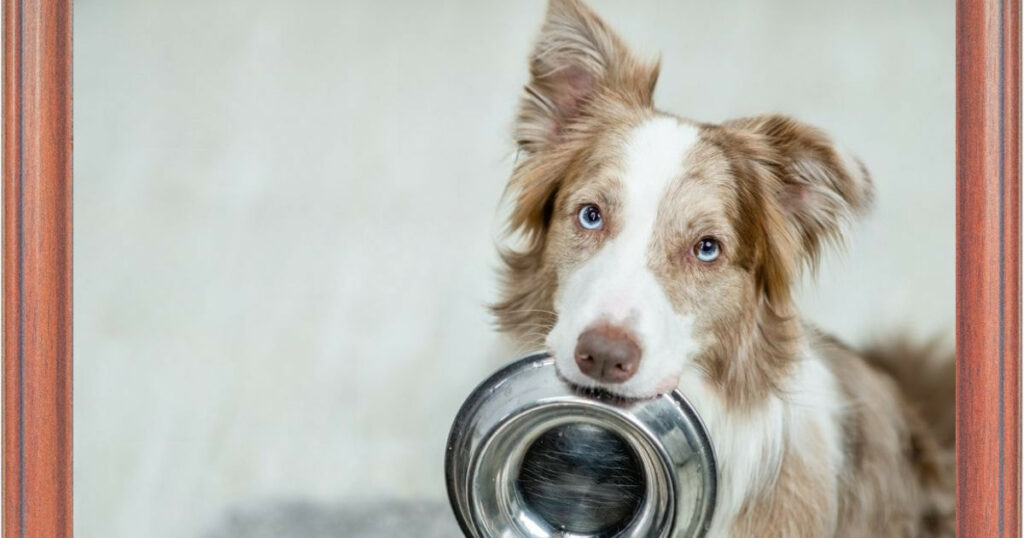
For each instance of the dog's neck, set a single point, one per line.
(756, 436)
(750, 361)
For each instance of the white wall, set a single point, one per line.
(286, 212)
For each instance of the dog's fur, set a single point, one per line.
(813, 439)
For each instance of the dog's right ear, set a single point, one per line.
(576, 58)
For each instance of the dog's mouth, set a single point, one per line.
(608, 392)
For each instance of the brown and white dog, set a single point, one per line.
(661, 253)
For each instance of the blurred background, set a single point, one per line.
(286, 216)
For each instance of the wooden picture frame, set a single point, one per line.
(37, 437)
(988, 267)
(37, 283)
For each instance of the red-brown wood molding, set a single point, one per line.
(988, 423)
(37, 269)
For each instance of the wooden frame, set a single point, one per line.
(988, 268)
(37, 268)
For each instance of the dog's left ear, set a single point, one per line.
(818, 188)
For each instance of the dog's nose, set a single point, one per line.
(607, 353)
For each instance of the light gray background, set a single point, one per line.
(286, 215)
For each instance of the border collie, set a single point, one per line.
(660, 253)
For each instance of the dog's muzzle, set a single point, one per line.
(531, 455)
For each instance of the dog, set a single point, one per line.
(659, 253)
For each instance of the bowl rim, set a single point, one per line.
(459, 475)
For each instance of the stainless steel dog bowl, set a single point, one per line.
(530, 455)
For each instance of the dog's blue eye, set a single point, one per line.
(590, 217)
(707, 249)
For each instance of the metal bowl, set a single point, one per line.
(530, 455)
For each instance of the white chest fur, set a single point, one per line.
(750, 444)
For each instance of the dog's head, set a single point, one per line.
(653, 243)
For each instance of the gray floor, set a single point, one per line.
(309, 520)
